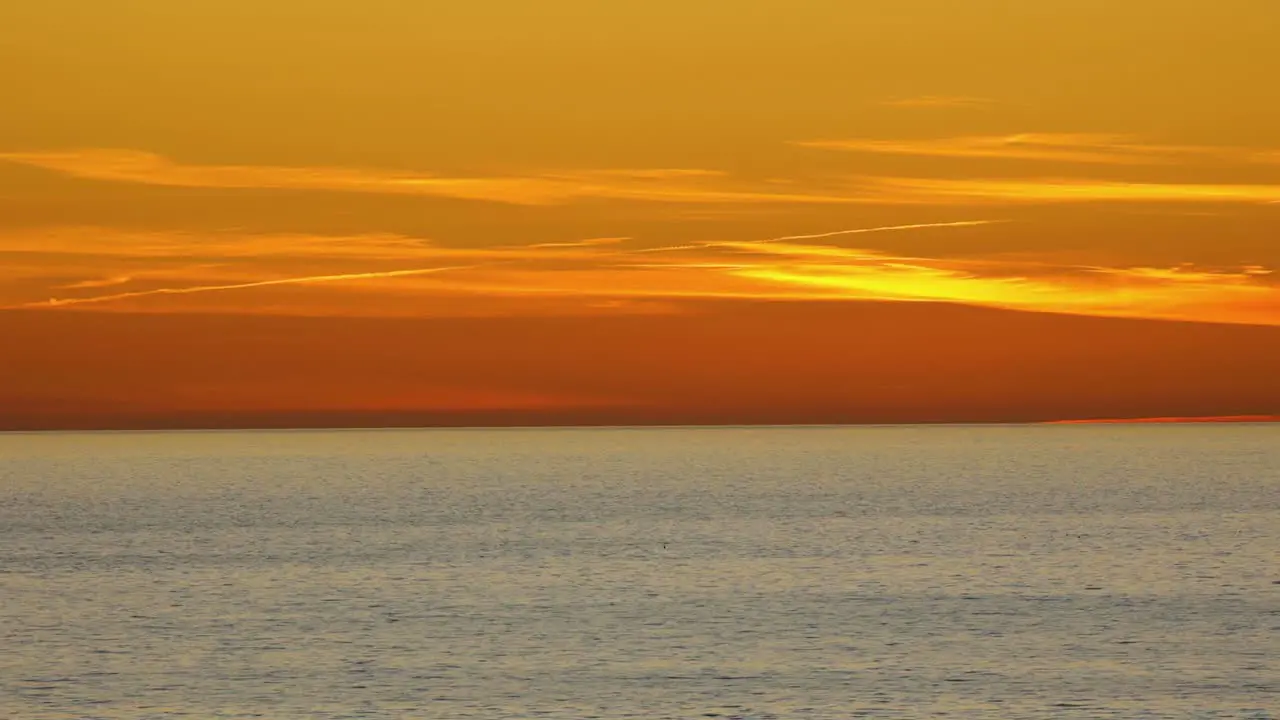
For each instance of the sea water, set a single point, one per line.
(880, 572)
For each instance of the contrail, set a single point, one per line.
(56, 302)
(64, 302)
(855, 231)
(887, 228)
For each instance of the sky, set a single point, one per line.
(223, 213)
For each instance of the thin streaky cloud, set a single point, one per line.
(1095, 148)
(98, 283)
(134, 275)
(500, 258)
(789, 271)
(306, 280)
(669, 248)
(887, 228)
(165, 246)
(790, 267)
(1123, 292)
(687, 186)
(834, 233)
(1040, 190)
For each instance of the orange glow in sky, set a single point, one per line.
(968, 182)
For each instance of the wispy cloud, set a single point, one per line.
(669, 185)
(237, 245)
(831, 234)
(249, 254)
(887, 228)
(599, 272)
(713, 190)
(1095, 148)
(305, 280)
(182, 263)
(1055, 190)
(98, 282)
(789, 271)
(1181, 293)
(589, 242)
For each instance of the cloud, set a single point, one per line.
(305, 280)
(181, 263)
(668, 185)
(98, 282)
(831, 234)
(589, 242)
(887, 228)
(1058, 147)
(777, 270)
(596, 267)
(708, 189)
(1181, 293)
(1057, 190)
(390, 275)
(232, 245)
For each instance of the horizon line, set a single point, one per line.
(1169, 420)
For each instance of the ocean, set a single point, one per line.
(809, 573)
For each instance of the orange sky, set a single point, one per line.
(233, 212)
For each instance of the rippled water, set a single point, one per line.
(965, 572)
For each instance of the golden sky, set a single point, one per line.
(560, 185)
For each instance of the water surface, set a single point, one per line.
(896, 572)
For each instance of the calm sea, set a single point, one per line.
(894, 572)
